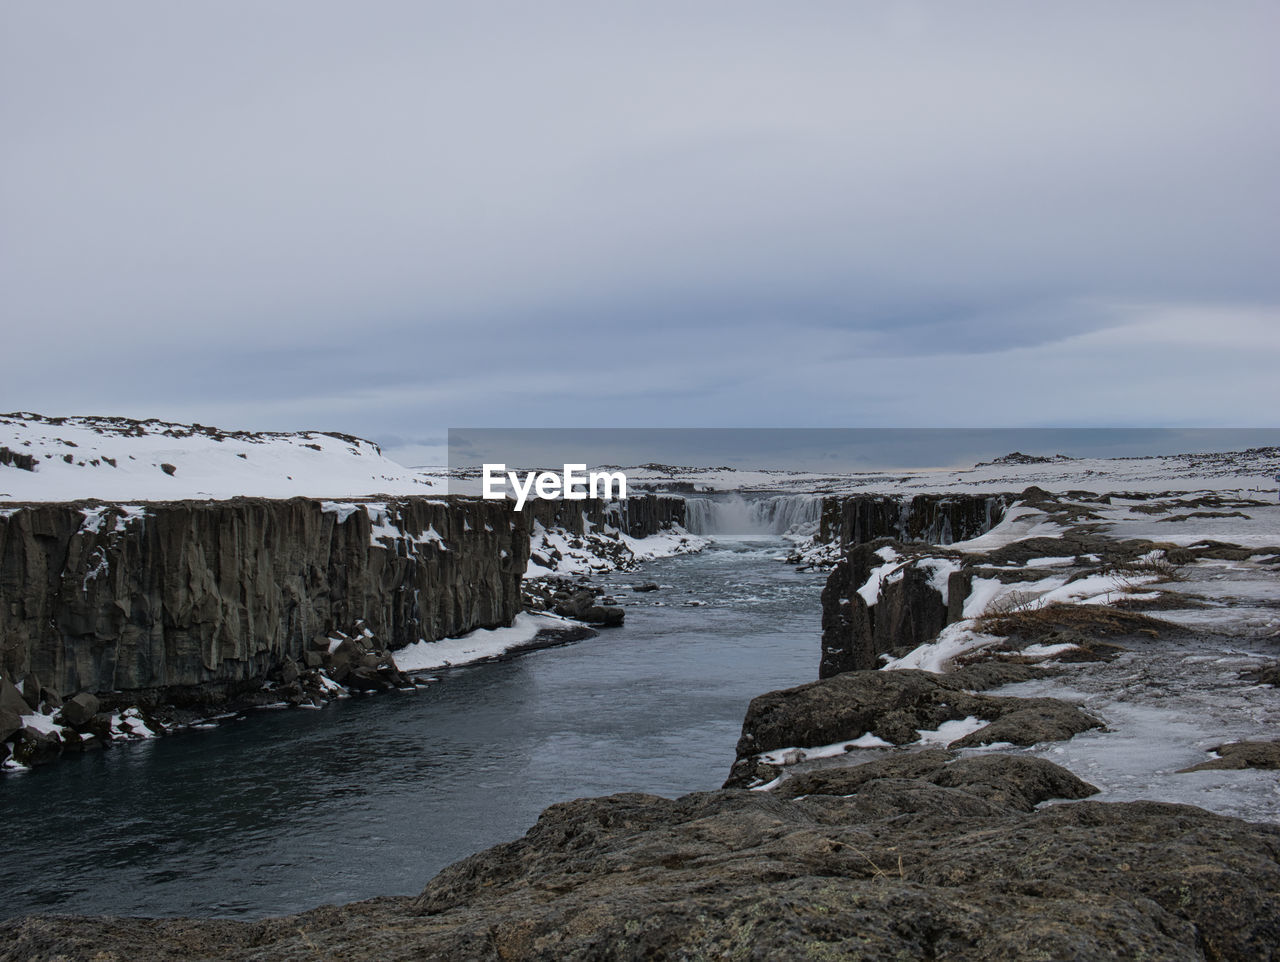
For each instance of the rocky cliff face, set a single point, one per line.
(638, 516)
(933, 518)
(173, 595)
(910, 607)
(915, 603)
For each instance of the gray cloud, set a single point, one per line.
(392, 217)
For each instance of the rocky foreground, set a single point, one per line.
(915, 856)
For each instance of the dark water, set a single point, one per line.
(287, 810)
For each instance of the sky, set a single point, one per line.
(393, 218)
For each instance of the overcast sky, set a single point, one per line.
(391, 218)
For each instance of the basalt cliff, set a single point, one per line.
(192, 595)
(177, 595)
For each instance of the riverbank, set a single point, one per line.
(122, 622)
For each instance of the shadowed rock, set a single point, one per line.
(905, 869)
(202, 595)
(1010, 781)
(894, 706)
(1237, 755)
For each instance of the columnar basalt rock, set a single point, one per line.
(932, 518)
(908, 610)
(638, 516)
(185, 594)
(911, 608)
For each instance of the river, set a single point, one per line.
(285, 810)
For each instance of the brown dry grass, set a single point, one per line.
(1094, 621)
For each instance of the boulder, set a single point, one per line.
(10, 722)
(576, 605)
(1238, 755)
(348, 654)
(32, 748)
(79, 710)
(99, 726)
(603, 615)
(895, 706)
(1039, 720)
(647, 586)
(1019, 782)
(11, 699)
(30, 687)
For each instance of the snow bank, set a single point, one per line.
(482, 645)
(955, 640)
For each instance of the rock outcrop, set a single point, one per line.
(932, 860)
(184, 595)
(1237, 755)
(638, 516)
(917, 603)
(894, 707)
(908, 609)
(932, 518)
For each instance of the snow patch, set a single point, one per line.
(479, 645)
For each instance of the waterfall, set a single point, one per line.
(779, 514)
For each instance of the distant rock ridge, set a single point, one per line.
(1017, 457)
(131, 427)
(934, 518)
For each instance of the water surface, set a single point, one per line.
(286, 810)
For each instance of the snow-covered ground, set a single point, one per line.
(481, 645)
(1165, 707)
(1253, 471)
(1167, 701)
(557, 552)
(116, 459)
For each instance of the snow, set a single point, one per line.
(1047, 651)
(941, 569)
(982, 593)
(481, 645)
(949, 731)
(1252, 471)
(596, 552)
(870, 592)
(1019, 523)
(43, 724)
(131, 722)
(343, 509)
(956, 639)
(793, 756)
(114, 459)
(1164, 708)
(665, 544)
(990, 594)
